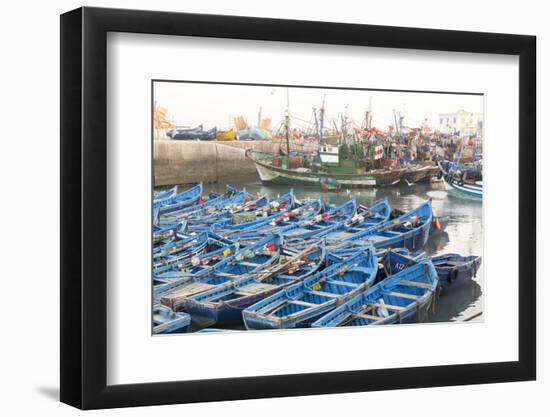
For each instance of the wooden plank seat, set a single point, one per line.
(302, 303)
(403, 295)
(255, 288)
(367, 316)
(388, 306)
(248, 264)
(286, 276)
(228, 275)
(192, 288)
(416, 284)
(322, 293)
(347, 284)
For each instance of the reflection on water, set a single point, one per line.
(463, 233)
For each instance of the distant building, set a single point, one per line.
(463, 123)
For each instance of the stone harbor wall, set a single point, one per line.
(186, 162)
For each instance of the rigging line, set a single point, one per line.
(301, 120)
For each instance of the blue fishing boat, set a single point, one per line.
(164, 195)
(167, 231)
(320, 224)
(184, 245)
(209, 207)
(166, 321)
(252, 259)
(236, 206)
(410, 230)
(401, 298)
(368, 217)
(282, 223)
(196, 133)
(457, 183)
(226, 302)
(302, 303)
(179, 201)
(260, 217)
(452, 269)
(202, 252)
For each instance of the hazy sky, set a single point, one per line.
(216, 105)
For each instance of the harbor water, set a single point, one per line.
(463, 233)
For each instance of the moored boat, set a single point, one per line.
(164, 195)
(167, 231)
(251, 259)
(461, 187)
(453, 269)
(302, 303)
(401, 298)
(179, 201)
(225, 135)
(192, 134)
(410, 230)
(270, 171)
(166, 321)
(226, 302)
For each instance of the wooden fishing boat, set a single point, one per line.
(410, 230)
(225, 135)
(209, 207)
(260, 217)
(302, 303)
(321, 223)
(368, 217)
(460, 187)
(183, 244)
(401, 298)
(226, 302)
(270, 171)
(181, 200)
(307, 211)
(164, 195)
(252, 259)
(225, 213)
(203, 252)
(166, 321)
(192, 134)
(167, 231)
(452, 269)
(419, 173)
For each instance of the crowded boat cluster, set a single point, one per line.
(252, 262)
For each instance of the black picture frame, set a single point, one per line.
(84, 207)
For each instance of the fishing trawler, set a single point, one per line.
(351, 162)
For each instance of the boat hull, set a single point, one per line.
(452, 277)
(277, 175)
(420, 174)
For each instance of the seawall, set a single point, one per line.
(186, 162)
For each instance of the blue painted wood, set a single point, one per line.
(410, 230)
(264, 215)
(251, 259)
(401, 298)
(226, 302)
(167, 231)
(165, 321)
(300, 304)
(452, 269)
(457, 186)
(181, 200)
(164, 195)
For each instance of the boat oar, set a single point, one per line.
(262, 275)
(396, 223)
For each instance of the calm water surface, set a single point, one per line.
(463, 234)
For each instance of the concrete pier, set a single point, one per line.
(186, 162)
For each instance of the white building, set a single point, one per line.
(463, 122)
